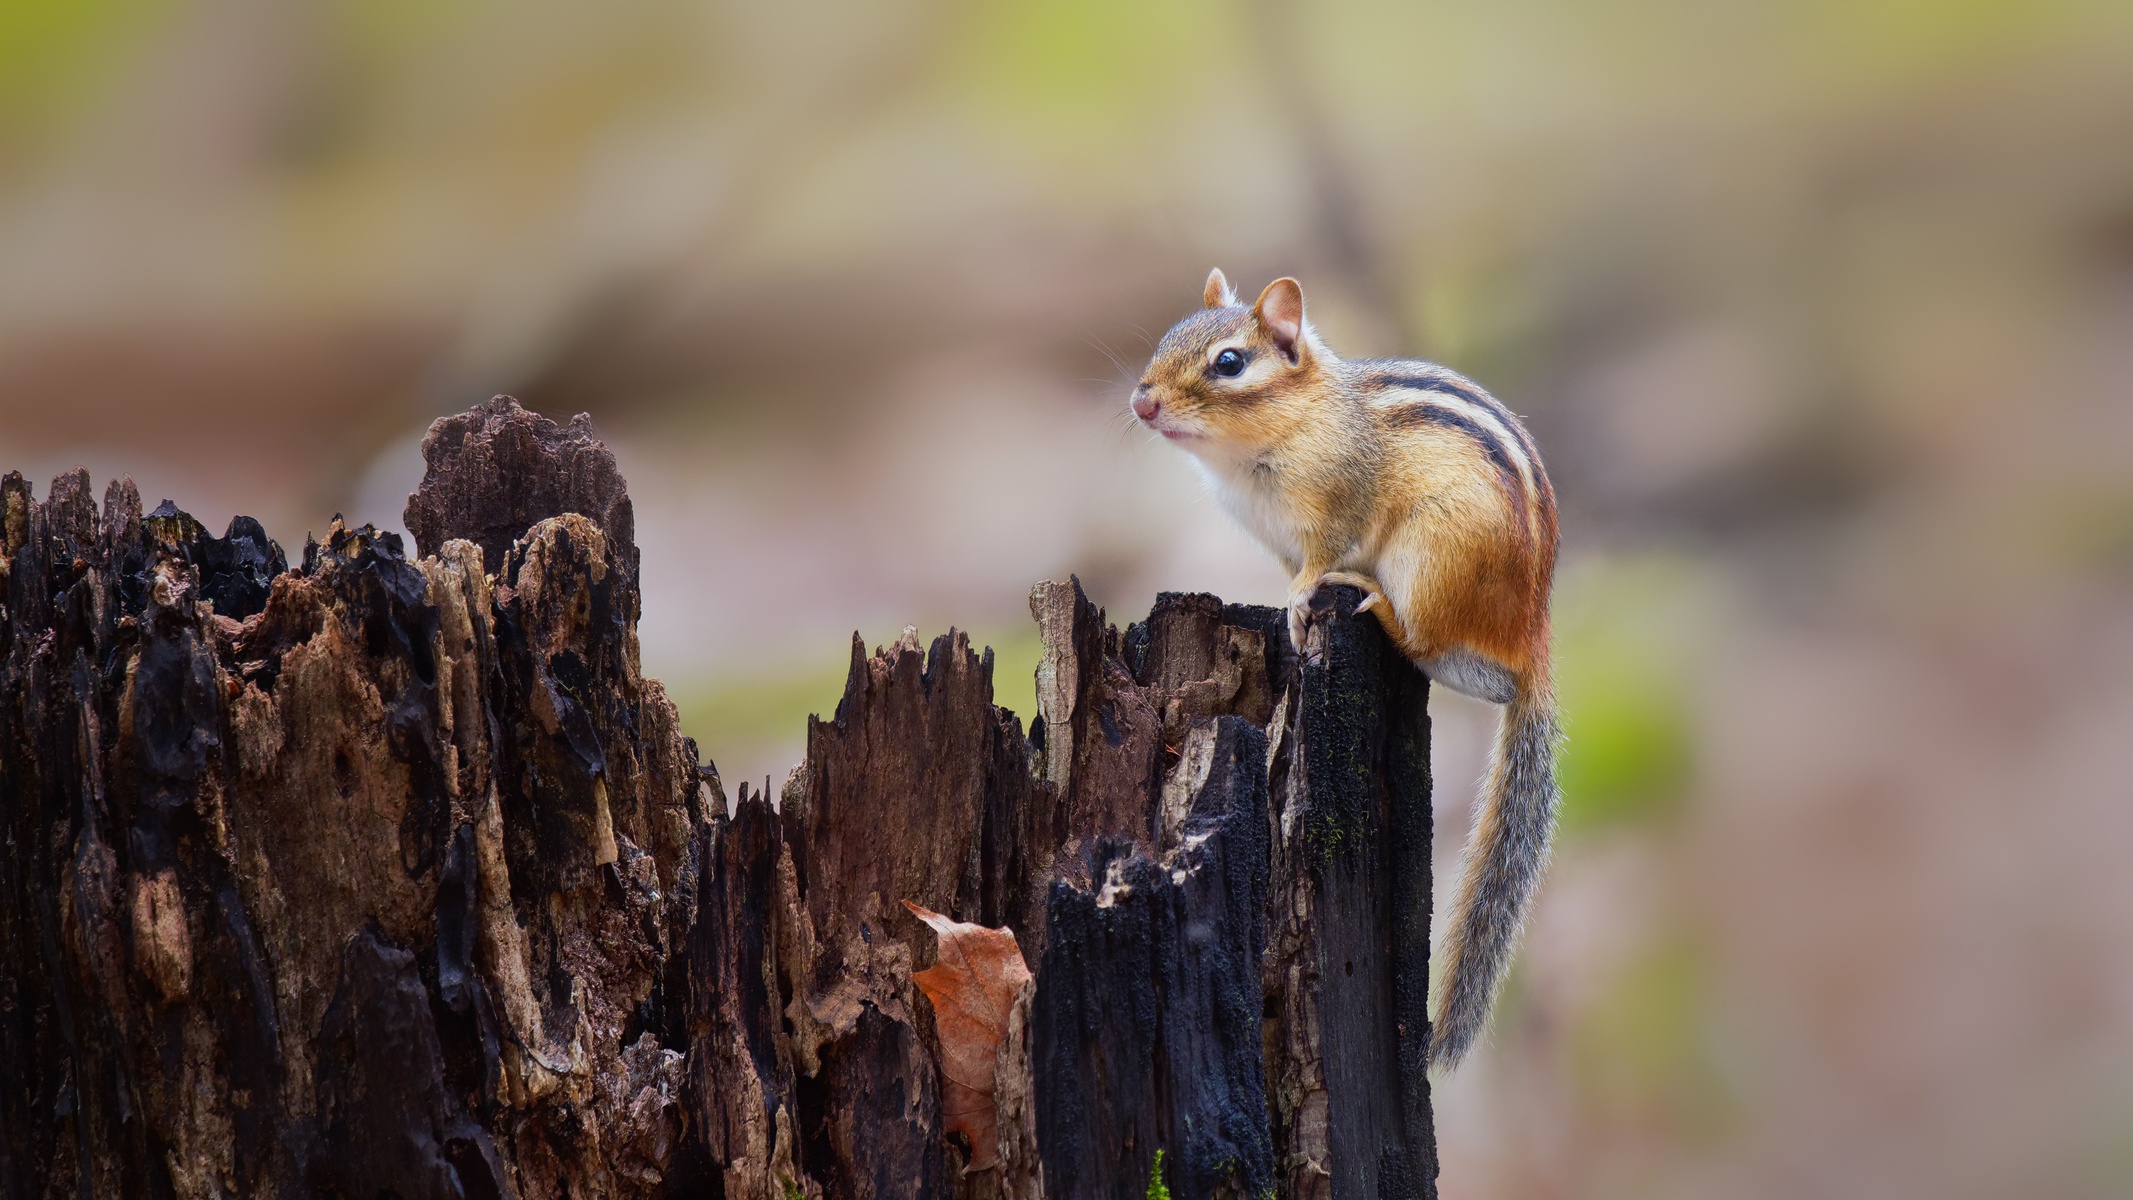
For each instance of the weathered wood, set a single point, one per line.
(392, 875)
(497, 470)
(1344, 962)
(394, 794)
(892, 804)
(1147, 1018)
(1350, 954)
(1099, 733)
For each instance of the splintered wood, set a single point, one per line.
(388, 873)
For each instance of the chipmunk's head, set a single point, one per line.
(1230, 379)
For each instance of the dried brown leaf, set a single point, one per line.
(972, 987)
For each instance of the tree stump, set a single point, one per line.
(392, 875)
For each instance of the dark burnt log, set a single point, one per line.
(392, 872)
(726, 1005)
(1147, 1018)
(1348, 965)
(1344, 964)
(372, 888)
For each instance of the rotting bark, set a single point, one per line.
(391, 874)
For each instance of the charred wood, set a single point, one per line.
(390, 873)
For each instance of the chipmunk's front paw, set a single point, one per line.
(1373, 591)
(1299, 619)
(1301, 616)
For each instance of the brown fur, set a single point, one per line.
(1358, 481)
(1411, 481)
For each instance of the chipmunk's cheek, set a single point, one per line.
(1179, 423)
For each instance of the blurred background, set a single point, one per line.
(1822, 313)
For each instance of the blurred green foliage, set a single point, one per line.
(1642, 1053)
(735, 720)
(2110, 1163)
(758, 722)
(2090, 528)
(1624, 636)
(1080, 75)
(55, 55)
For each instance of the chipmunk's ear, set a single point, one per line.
(1218, 292)
(1281, 313)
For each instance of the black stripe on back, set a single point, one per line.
(1422, 412)
(1481, 400)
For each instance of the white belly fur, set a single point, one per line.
(1254, 507)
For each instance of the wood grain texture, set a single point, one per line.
(391, 873)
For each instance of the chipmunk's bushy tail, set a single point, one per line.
(1504, 858)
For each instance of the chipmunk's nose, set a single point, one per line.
(1145, 405)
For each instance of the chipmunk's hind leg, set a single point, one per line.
(1472, 674)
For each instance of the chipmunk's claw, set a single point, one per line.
(1299, 621)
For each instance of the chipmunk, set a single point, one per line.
(1408, 481)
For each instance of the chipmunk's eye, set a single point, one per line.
(1229, 363)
